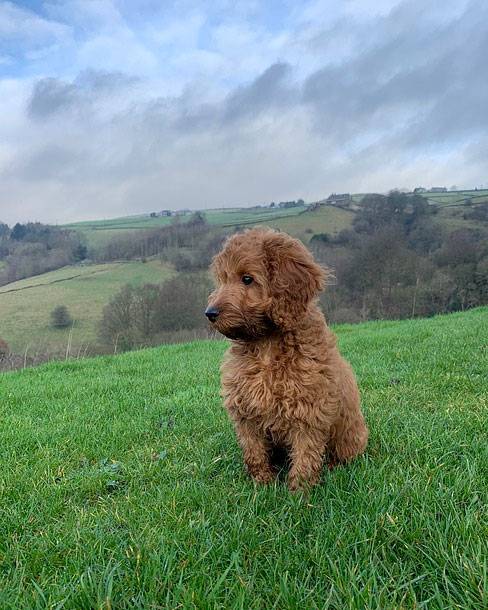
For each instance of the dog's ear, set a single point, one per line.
(294, 277)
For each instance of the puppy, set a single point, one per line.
(284, 383)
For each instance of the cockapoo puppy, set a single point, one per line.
(284, 383)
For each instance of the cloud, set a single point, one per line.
(241, 105)
(49, 97)
(24, 33)
(17, 23)
(52, 96)
(420, 82)
(268, 90)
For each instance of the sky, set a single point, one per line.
(118, 107)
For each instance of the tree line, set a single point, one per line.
(396, 262)
(34, 248)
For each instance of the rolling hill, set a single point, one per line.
(99, 232)
(25, 306)
(122, 485)
(300, 222)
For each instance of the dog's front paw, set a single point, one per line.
(298, 482)
(264, 475)
(295, 485)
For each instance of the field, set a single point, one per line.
(457, 198)
(99, 232)
(25, 306)
(451, 218)
(122, 485)
(302, 224)
(327, 219)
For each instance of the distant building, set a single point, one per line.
(341, 199)
(420, 189)
(166, 213)
(438, 189)
(291, 204)
(153, 214)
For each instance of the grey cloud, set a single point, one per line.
(270, 89)
(435, 77)
(50, 162)
(102, 81)
(51, 96)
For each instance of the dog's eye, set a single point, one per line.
(247, 279)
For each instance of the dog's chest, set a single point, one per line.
(267, 386)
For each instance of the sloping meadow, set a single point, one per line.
(122, 486)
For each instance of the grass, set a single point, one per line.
(326, 219)
(456, 198)
(99, 232)
(294, 220)
(451, 219)
(25, 306)
(122, 485)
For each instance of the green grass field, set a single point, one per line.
(25, 306)
(328, 219)
(450, 218)
(456, 198)
(122, 485)
(99, 232)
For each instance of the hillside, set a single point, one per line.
(25, 306)
(100, 232)
(122, 485)
(300, 222)
(86, 289)
(457, 198)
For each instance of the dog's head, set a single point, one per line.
(265, 282)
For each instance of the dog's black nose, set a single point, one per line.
(212, 313)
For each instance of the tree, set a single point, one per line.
(4, 230)
(137, 316)
(400, 209)
(18, 232)
(4, 349)
(144, 310)
(116, 325)
(80, 252)
(181, 302)
(60, 317)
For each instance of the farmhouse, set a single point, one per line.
(419, 189)
(340, 200)
(343, 199)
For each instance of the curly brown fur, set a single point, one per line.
(284, 383)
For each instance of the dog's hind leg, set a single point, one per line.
(350, 434)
